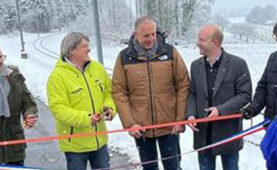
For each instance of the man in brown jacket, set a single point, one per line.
(150, 86)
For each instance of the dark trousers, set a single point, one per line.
(169, 147)
(17, 163)
(207, 161)
(97, 159)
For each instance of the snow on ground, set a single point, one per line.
(37, 68)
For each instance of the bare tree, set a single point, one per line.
(255, 15)
(221, 21)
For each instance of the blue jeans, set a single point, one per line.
(207, 161)
(97, 159)
(168, 145)
(17, 163)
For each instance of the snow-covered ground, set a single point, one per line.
(38, 66)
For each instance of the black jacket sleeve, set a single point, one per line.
(259, 100)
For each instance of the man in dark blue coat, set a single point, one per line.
(266, 91)
(266, 96)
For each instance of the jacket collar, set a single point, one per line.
(74, 65)
(224, 57)
(160, 50)
(64, 63)
(224, 65)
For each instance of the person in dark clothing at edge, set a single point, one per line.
(266, 91)
(220, 85)
(150, 86)
(266, 96)
(15, 101)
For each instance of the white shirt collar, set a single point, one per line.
(217, 58)
(74, 65)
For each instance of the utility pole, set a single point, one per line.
(131, 14)
(97, 32)
(23, 53)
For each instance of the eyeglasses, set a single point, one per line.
(3, 56)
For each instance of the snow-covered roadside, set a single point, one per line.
(37, 68)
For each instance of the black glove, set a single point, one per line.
(248, 112)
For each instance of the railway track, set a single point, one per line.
(39, 45)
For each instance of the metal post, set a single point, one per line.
(23, 53)
(97, 32)
(137, 9)
(131, 14)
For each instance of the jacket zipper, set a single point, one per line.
(150, 91)
(71, 133)
(92, 103)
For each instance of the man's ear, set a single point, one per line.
(216, 43)
(70, 54)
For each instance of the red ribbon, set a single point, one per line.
(82, 135)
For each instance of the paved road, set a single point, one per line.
(47, 155)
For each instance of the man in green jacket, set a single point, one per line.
(79, 95)
(15, 101)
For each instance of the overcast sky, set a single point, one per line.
(221, 5)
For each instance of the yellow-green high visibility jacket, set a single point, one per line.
(73, 96)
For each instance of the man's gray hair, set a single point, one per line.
(143, 19)
(70, 42)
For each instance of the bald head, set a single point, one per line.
(214, 32)
(209, 41)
